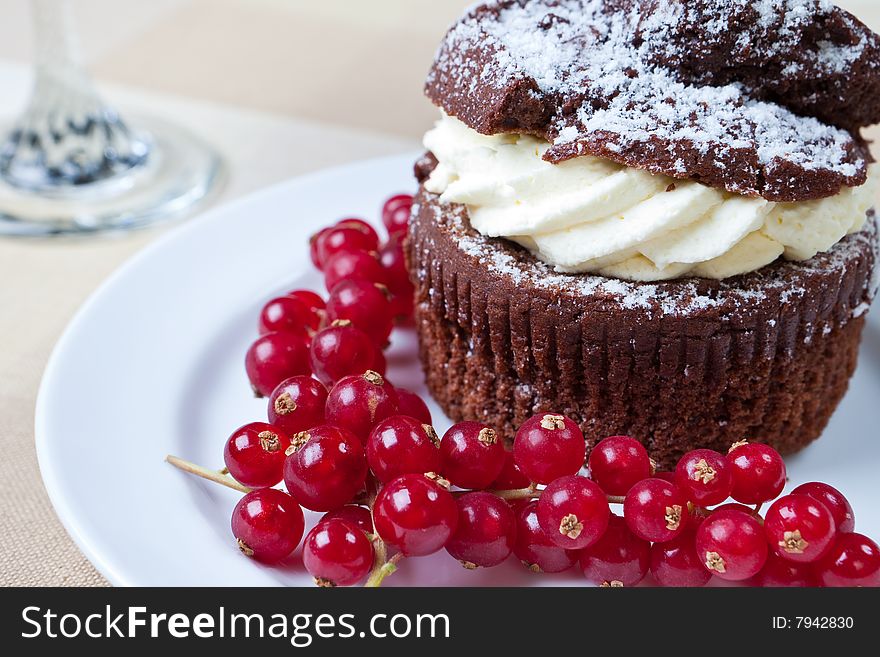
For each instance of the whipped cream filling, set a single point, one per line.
(592, 215)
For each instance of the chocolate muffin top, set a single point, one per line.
(759, 97)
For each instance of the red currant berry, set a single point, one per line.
(534, 549)
(313, 247)
(359, 403)
(396, 212)
(415, 515)
(254, 455)
(732, 545)
(486, 531)
(402, 445)
(355, 515)
(779, 573)
(758, 472)
(297, 404)
(510, 477)
(656, 510)
(854, 560)
(705, 477)
(619, 558)
(313, 300)
(342, 350)
(289, 315)
(833, 499)
(365, 305)
(336, 553)
(361, 225)
(799, 528)
(618, 463)
(325, 468)
(735, 506)
(665, 476)
(343, 239)
(411, 404)
(273, 358)
(397, 278)
(268, 525)
(573, 512)
(354, 265)
(676, 564)
(471, 455)
(549, 446)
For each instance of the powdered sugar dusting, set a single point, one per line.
(603, 64)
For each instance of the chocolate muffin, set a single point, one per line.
(675, 247)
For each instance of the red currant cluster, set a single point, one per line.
(364, 453)
(370, 290)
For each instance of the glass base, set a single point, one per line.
(180, 173)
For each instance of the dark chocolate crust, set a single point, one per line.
(678, 365)
(799, 79)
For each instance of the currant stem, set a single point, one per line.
(381, 567)
(379, 574)
(211, 475)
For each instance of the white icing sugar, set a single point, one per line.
(572, 45)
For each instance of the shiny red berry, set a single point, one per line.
(549, 446)
(297, 404)
(618, 558)
(313, 300)
(402, 445)
(510, 477)
(353, 265)
(780, 573)
(395, 214)
(656, 510)
(342, 350)
(732, 545)
(573, 512)
(734, 506)
(676, 564)
(254, 454)
(834, 501)
(799, 528)
(365, 305)
(314, 240)
(618, 463)
(705, 475)
(268, 525)
(854, 560)
(343, 239)
(336, 553)
(288, 314)
(273, 358)
(533, 547)
(359, 403)
(471, 455)
(758, 472)
(356, 515)
(415, 515)
(397, 278)
(411, 404)
(486, 531)
(361, 225)
(325, 468)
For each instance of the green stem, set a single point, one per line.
(382, 571)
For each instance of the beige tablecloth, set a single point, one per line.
(279, 86)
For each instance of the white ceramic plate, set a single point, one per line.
(153, 364)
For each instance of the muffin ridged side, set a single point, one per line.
(678, 365)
